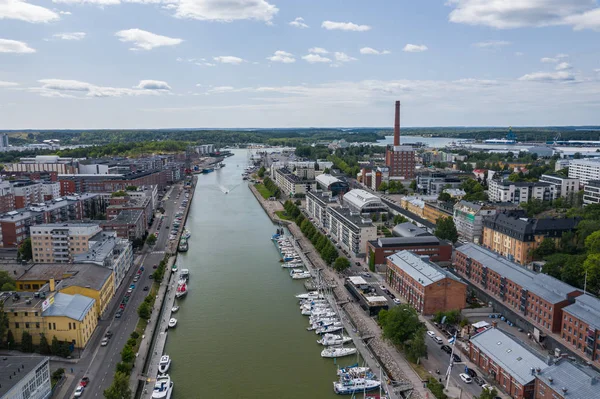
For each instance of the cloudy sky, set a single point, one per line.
(298, 63)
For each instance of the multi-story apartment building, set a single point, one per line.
(25, 376)
(510, 364)
(50, 190)
(424, 285)
(565, 187)
(468, 218)
(292, 185)
(350, 230)
(317, 203)
(537, 298)
(515, 237)
(129, 224)
(7, 197)
(94, 183)
(433, 210)
(59, 243)
(591, 192)
(585, 170)
(564, 380)
(127, 203)
(363, 202)
(519, 192)
(27, 193)
(581, 328)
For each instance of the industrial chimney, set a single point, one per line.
(397, 125)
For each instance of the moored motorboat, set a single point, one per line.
(335, 327)
(353, 370)
(183, 245)
(164, 364)
(301, 276)
(185, 274)
(334, 339)
(337, 352)
(310, 295)
(163, 388)
(181, 290)
(174, 309)
(172, 322)
(348, 386)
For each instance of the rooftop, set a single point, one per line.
(126, 216)
(421, 270)
(357, 280)
(327, 179)
(87, 276)
(542, 285)
(14, 368)
(513, 357)
(408, 229)
(587, 309)
(390, 242)
(72, 306)
(350, 216)
(73, 228)
(102, 246)
(580, 382)
(361, 199)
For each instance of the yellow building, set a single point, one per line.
(413, 204)
(69, 318)
(432, 211)
(93, 281)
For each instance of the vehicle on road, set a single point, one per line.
(487, 387)
(456, 358)
(397, 301)
(132, 286)
(438, 340)
(465, 378)
(382, 287)
(78, 392)
(471, 373)
(155, 267)
(431, 333)
(118, 315)
(367, 274)
(104, 341)
(146, 288)
(479, 381)
(84, 381)
(108, 334)
(446, 349)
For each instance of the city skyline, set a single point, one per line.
(86, 64)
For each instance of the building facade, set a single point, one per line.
(350, 230)
(581, 328)
(565, 380)
(468, 218)
(585, 170)
(400, 160)
(565, 187)
(520, 192)
(59, 243)
(591, 192)
(433, 210)
(292, 185)
(424, 285)
(437, 250)
(25, 377)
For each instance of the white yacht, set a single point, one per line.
(163, 388)
(338, 352)
(174, 309)
(164, 364)
(172, 322)
(301, 276)
(348, 386)
(185, 274)
(335, 327)
(334, 339)
(354, 371)
(310, 295)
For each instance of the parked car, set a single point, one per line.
(104, 341)
(146, 288)
(431, 333)
(465, 378)
(456, 358)
(471, 373)
(479, 381)
(118, 315)
(155, 267)
(446, 349)
(438, 340)
(84, 381)
(108, 334)
(397, 301)
(78, 391)
(487, 387)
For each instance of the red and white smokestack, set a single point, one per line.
(397, 125)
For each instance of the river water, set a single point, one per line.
(240, 333)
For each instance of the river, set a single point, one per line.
(240, 333)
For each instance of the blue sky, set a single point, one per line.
(297, 63)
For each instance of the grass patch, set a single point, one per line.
(423, 374)
(266, 194)
(283, 215)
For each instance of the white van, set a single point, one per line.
(438, 340)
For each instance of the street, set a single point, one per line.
(98, 363)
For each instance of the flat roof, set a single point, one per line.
(327, 179)
(87, 276)
(357, 280)
(390, 242)
(361, 198)
(351, 217)
(581, 382)
(14, 368)
(408, 229)
(540, 284)
(513, 357)
(587, 309)
(421, 270)
(72, 306)
(376, 299)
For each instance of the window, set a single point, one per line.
(16, 325)
(37, 325)
(27, 325)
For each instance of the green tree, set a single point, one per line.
(591, 268)
(592, 243)
(119, 388)
(436, 388)
(26, 342)
(25, 251)
(383, 187)
(417, 348)
(444, 197)
(261, 172)
(399, 219)
(413, 185)
(446, 229)
(144, 310)
(488, 394)
(44, 346)
(10, 339)
(120, 193)
(371, 260)
(127, 354)
(547, 247)
(399, 324)
(341, 264)
(131, 188)
(6, 282)
(124, 368)
(151, 240)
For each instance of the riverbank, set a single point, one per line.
(364, 330)
(270, 207)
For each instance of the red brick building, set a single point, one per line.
(580, 330)
(565, 380)
(400, 159)
(437, 250)
(129, 224)
(537, 298)
(424, 285)
(511, 365)
(70, 184)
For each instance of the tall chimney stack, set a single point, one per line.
(397, 125)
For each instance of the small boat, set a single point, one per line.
(292, 265)
(353, 370)
(164, 364)
(207, 170)
(334, 339)
(185, 274)
(183, 245)
(181, 290)
(186, 234)
(335, 327)
(172, 322)
(348, 386)
(310, 295)
(174, 309)
(163, 388)
(301, 276)
(296, 271)
(337, 352)
(174, 269)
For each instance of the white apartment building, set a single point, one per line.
(349, 230)
(60, 242)
(290, 184)
(51, 190)
(585, 170)
(468, 219)
(591, 193)
(564, 186)
(25, 377)
(518, 192)
(317, 203)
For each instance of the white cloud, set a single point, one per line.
(318, 50)
(225, 11)
(298, 23)
(477, 82)
(7, 84)
(23, 11)
(282, 56)
(66, 88)
(347, 26)
(549, 60)
(563, 66)
(343, 57)
(229, 59)
(96, 2)
(415, 48)
(15, 46)
(144, 40)
(559, 76)
(519, 53)
(315, 58)
(153, 85)
(561, 55)
(372, 51)
(492, 44)
(70, 35)
(65, 12)
(507, 14)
